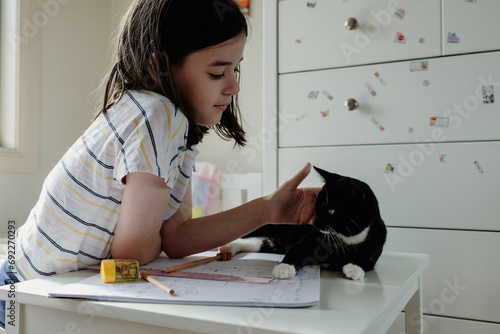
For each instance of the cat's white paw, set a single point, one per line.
(284, 270)
(243, 245)
(353, 271)
(232, 248)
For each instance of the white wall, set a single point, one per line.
(214, 149)
(75, 49)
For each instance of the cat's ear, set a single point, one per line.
(326, 175)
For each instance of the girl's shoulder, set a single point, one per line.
(148, 102)
(146, 110)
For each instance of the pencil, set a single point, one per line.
(154, 281)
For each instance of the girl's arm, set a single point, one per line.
(137, 233)
(182, 235)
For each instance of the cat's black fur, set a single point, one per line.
(331, 241)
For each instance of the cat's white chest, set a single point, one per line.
(354, 239)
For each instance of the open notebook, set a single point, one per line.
(302, 290)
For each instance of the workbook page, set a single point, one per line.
(196, 286)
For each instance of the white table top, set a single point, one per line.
(366, 306)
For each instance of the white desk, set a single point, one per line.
(346, 306)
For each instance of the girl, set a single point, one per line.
(123, 189)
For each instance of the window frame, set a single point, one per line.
(19, 86)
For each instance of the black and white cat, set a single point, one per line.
(347, 234)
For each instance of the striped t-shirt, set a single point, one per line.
(72, 224)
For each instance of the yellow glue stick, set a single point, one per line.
(116, 271)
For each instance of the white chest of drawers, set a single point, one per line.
(316, 36)
(425, 133)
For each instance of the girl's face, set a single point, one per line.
(207, 80)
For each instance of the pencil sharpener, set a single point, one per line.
(117, 271)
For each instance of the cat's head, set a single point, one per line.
(344, 205)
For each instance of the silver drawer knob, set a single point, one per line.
(351, 104)
(351, 23)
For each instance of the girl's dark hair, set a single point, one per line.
(156, 34)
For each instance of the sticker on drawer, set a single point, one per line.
(401, 13)
(400, 38)
(389, 169)
(478, 166)
(452, 38)
(377, 124)
(416, 66)
(441, 122)
(488, 95)
(301, 116)
(313, 94)
(330, 97)
(325, 113)
(382, 81)
(370, 88)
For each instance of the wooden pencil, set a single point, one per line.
(159, 284)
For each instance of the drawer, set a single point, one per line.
(312, 34)
(461, 280)
(435, 99)
(450, 185)
(470, 26)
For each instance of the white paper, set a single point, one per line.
(301, 290)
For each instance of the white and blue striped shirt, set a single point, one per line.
(72, 224)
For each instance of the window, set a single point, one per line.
(19, 86)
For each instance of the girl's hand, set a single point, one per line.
(292, 205)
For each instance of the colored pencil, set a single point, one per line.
(154, 281)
